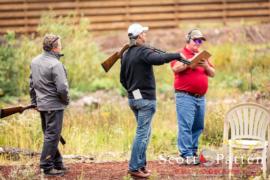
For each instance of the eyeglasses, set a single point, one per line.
(198, 41)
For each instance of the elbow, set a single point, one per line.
(177, 69)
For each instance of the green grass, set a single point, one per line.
(109, 128)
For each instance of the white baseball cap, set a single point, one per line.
(135, 29)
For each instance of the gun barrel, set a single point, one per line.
(62, 140)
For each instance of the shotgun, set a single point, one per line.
(20, 109)
(109, 62)
(163, 52)
(9, 111)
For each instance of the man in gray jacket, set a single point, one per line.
(49, 92)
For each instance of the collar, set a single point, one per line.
(188, 51)
(53, 54)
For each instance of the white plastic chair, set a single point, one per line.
(246, 124)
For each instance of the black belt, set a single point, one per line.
(189, 93)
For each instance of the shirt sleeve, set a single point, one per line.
(154, 58)
(173, 63)
(32, 91)
(122, 76)
(60, 80)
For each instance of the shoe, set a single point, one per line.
(191, 160)
(144, 170)
(62, 168)
(196, 160)
(54, 172)
(139, 174)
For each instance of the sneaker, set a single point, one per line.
(53, 172)
(63, 168)
(191, 160)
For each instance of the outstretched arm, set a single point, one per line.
(154, 58)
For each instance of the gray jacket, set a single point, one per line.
(48, 83)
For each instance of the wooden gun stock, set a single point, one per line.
(9, 111)
(109, 62)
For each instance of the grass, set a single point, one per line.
(110, 128)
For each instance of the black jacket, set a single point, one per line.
(137, 71)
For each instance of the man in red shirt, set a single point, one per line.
(190, 87)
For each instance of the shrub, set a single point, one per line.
(8, 70)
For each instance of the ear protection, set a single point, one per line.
(49, 47)
(188, 36)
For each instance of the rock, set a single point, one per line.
(87, 101)
(90, 101)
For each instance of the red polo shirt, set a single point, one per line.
(191, 80)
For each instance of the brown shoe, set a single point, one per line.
(144, 170)
(139, 174)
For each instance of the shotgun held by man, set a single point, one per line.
(20, 109)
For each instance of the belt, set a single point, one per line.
(189, 93)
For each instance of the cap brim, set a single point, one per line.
(203, 38)
(145, 29)
(200, 37)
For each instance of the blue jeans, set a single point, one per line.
(143, 110)
(190, 114)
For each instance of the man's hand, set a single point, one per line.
(204, 63)
(35, 107)
(179, 66)
(210, 71)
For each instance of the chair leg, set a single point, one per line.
(264, 162)
(230, 161)
(225, 155)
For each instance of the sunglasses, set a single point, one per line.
(198, 41)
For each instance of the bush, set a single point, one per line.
(8, 70)
(82, 56)
(240, 66)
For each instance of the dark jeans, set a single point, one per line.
(51, 122)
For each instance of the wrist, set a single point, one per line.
(207, 67)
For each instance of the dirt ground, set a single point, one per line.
(118, 170)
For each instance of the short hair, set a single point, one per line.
(50, 41)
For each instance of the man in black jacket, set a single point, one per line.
(138, 79)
